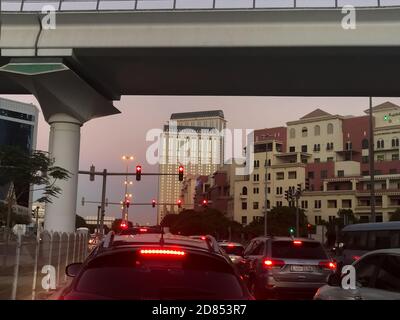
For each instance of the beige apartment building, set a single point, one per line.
(331, 153)
(194, 140)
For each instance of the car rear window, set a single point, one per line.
(289, 250)
(128, 275)
(233, 250)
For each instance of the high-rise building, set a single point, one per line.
(18, 127)
(195, 141)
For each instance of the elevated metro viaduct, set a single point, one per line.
(77, 70)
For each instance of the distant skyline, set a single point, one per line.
(105, 140)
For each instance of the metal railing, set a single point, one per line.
(27, 262)
(133, 5)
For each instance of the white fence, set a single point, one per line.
(26, 260)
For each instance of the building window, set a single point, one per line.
(365, 159)
(317, 130)
(244, 205)
(317, 204)
(380, 144)
(310, 175)
(317, 160)
(304, 204)
(365, 173)
(332, 203)
(317, 147)
(292, 133)
(244, 191)
(349, 145)
(329, 159)
(269, 176)
(365, 144)
(304, 132)
(279, 203)
(395, 142)
(256, 190)
(255, 205)
(256, 177)
(380, 157)
(324, 174)
(395, 156)
(340, 173)
(292, 149)
(256, 163)
(329, 146)
(269, 190)
(244, 219)
(317, 220)
(304, 148)
(346, 203)
(292, 175)
(332, 218)
(330, 128)
(280, 175)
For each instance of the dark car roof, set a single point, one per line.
(392, 225)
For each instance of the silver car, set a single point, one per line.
(377, 278)
(286, 267)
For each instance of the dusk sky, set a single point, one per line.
(105, 140)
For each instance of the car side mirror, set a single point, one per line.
(73, 269)
(334, 280)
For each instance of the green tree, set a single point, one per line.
(280, 220)
(19, 169)
(395, 216)
(169, 220)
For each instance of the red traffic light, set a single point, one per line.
(138, 168)
(127, 203)
(179, 203)
(204, 203)
(153, 203)
(180, 173)
(138, 172)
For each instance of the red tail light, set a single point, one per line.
(231, 245)
(272, 263)
(143, 230)
(297, 242)
(330, 265)
(162, 252)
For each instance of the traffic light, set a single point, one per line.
(91, 173)
(204, 203)
(291, 231)
(299, 188)
(153, 203)
(138, 173)
(180, 172)
(127, 203)
(287, 195)
(179, 203)
(307, 184)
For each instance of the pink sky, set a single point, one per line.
(105, 140)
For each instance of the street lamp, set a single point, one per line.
(125, 207)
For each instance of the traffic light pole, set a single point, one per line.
(297, 216)
(103, 201)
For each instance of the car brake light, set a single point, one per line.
(143, 230)
(272, 263)
(162, 252)
(297, 242)
(231, 245)
(203, 238)
(328, 265)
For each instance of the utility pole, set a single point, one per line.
(372, 161)
(103, 201)
(297, 216)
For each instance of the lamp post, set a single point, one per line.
(126, 195)
(372, 161)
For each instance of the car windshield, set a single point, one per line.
(127, 275)
(304, 250)
(233, 249)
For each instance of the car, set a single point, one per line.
(377, 276)
(143, 229)
(155, 266)
(286, 267)
(235, 252)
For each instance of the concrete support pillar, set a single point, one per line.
(325, 186)
(354, 185)
(64, 144)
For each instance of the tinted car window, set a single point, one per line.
(366, 269)
(127, 275)
(379, 240)
(388, 277)
(233, 250)
(289, 250)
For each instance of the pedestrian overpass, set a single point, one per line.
(102, 49)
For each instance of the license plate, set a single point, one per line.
(302, 268)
